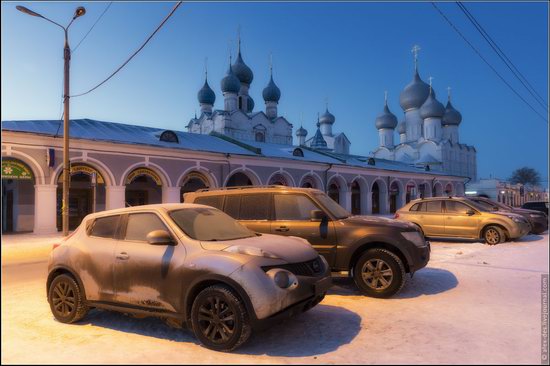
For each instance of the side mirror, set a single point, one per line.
(160, 237)
(470, 212)
(317, 215)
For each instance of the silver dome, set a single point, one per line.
(414, 94)
(327, 118)
(250, 105)
(206, 95)
(230, 83)
(452, 117)
(432, 108)
(242, 71)
(386, 120)
(301, 132)
(271, 92)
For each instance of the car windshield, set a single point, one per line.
(209, 224)
(484, 208)
(334, 208)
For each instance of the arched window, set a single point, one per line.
(298, 152)
(169, 136)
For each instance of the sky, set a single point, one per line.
(345, 53)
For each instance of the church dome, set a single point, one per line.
(401, 128)
(271, 92)
(301, 132)
(431, 107)
(242, 71)
(250, 105)
(386, 120)
(452, 117)
(414, 94)
(206, 95)
(327, 118)
(230, 83)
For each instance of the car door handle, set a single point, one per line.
(123, 256)
(282, 229)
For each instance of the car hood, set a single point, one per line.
(507, 214)
(288, 248)
(524, 211)
(378, 221)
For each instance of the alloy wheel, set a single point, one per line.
(63, 298)
(377, 274)
(492, 236)
(216, 319)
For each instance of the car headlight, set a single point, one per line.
(516, 219)
(244, 249)
(415, 237)
(283, 279)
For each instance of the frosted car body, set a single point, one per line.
(119, 263)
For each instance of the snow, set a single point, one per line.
(474, 303)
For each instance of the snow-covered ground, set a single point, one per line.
(473, 304)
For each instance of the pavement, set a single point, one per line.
(474, 303)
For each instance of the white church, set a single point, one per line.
(428, 135)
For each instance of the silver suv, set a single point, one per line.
(188, 264)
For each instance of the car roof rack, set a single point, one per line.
(241, 187)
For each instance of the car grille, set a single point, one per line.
(309, 268)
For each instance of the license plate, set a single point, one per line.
(323, 285)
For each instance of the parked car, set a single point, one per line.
(376, 252)
(459, 217)
(188, 264)
(538, 220)
(541, 206)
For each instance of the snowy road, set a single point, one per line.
(474, 303)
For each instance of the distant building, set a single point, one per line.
(429, 134)
(504, 192)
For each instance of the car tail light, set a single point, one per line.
(55, 245)
(396, 215)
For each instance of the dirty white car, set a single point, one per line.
(188, 264)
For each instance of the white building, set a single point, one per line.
(429, 134)
(505, 192)
(115, 165)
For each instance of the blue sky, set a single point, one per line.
(349, 53)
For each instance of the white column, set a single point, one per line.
(115, 197)
(171, 194)
(271, 109)
(45, 203)
(366, 202)
(345, 200)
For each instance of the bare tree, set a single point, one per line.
(525, 176)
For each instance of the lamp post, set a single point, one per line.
(67, 58)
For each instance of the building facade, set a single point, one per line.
(507, 193)
(428, 136)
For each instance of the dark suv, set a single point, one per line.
(541, 206)
(537, 219)
(377, 252)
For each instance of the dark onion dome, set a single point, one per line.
(242, 71)
(386, 120)
(206, 95)
(431, 107)
(452, 117)
(301, 132)
(327, 118)
(318, 141)
(271, 92)
(250, 104)
(414, 94)
(401, 128)
(230, 83)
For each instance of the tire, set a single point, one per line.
(494, 235)
(66, 300)
(379, 273)
(210, 329)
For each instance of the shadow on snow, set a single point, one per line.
(321, 330)
(427, 281)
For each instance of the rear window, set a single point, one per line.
(214, 201)
(418, 207)
(105, 227)
(254, 207)
(232, 205)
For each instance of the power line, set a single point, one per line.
(503, 56)
(132, 56)
(487, 62)
(97, 20)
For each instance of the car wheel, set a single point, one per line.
(379, 273)
(494, 235)
(66, 300)
(219, 319)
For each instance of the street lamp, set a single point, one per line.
(67, 58)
